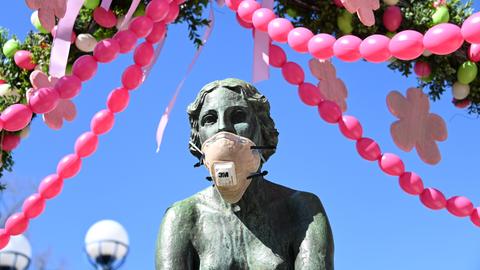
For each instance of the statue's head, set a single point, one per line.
(234, 106)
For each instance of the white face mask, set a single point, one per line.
(231, 162)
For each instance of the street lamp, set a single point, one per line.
(16, 255)
(106, 244)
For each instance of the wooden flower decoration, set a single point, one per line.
(416, 127)
(65, 109)
(331, 87)
(48, 10)
(363, 8)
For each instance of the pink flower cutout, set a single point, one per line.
(439, 3)
(331, 88)
(363, 8)
(416, 127)
(48, 10)
(65, 109)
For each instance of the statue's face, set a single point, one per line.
(226, 110)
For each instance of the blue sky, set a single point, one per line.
(376, 225)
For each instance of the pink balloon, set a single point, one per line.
(50, 186)
(471, 28)
(293, 73)
(298, 39)
(406, 45)
(460, 206)
(68, 87)
(443, 39)
(144, 54)
(69, 166)
(391, 164)
(132, 77)
(105, 18)
(392, 18)
(127, 40)
(4, 238)
(350, 127)
(347, 48)
(329, 111)
(33, 206)
(278, 29)
(173, 12)
(433, 199)
(368, 149)
(246, 9)
(85, 67)
(474, 53)
(10, 142)
(411, 183)
(261, 17)
(475, 216)
(375, 49)
(233, 4)
(277, 58)
(141, 26)
(44, 100)
(157, 10)
(16, 117)
(158, 33)
(309, 94)
(102, 122)
(86, 144)
(321, 46)
(16, 224)
(24, 59)
(243, 23)
(422, 69)
(1, 124)
(118, 100)
(106, 50)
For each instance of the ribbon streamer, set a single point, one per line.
(106, 4)
(62, 41)
(166, 115)
(129, 14)
(261, 51)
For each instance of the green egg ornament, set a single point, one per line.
(91, 4)
(36, 23)
(344, 22)
(467, 72)
(10, 48)
(441, 15)
(140, 11)
(427, 79)
(292, 12)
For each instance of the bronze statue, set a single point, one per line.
(270, 227)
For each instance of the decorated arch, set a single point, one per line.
(439, 42)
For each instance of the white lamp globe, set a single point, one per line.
(106, 242)
(17, 254)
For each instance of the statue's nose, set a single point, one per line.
(225, 125)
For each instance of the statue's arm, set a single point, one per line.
(316, 239)
(174, 248)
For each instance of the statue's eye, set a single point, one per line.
(209, 119)
(238, 116)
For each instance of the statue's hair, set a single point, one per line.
(255, 100)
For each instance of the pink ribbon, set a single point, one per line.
(129, 14)
(63, 38)
(261, 51)
(106, 4)
(166, 115)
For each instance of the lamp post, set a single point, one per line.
(106, 244)
(16, 255)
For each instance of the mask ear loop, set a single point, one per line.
(200, 162)
(259, 149)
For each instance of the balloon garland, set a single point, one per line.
(280, 30)
(151, 26)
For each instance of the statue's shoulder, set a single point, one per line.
(307, 204)
(187, 208)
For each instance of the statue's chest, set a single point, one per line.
(223, 241)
